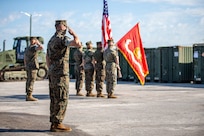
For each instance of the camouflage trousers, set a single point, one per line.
(99, 78)
(89, 79)
(111, 79)
(59, 94)
(79, 75)
(31, 77)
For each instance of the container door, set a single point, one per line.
(166, 64)
(176, 72)
(198, 63)
(149, 57)
(157, 65)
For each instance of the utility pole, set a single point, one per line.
(30, 15)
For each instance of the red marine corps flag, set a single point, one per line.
(106, 26)
(130, 45)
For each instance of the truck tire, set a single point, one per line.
(42, 73)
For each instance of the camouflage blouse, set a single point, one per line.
(58, 53)
(31, 57)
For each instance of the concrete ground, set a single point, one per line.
(155, 109)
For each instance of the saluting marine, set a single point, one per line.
(57, 61)
(32, 66)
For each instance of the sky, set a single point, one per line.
(162, 22)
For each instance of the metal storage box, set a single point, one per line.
(150, 61)
(123, 66)
(198, 62)
(176, 64)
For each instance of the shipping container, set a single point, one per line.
(176, 64)
(166, 63)
(183, 67)
(131, 74)
(153, 61)
(149, 52)
(123, 66)
(154, 64)
(198, 62)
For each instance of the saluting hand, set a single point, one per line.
(71, 32)
(37, 42)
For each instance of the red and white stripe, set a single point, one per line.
(106, 26)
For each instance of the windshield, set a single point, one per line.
(15, 44)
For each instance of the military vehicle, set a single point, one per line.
(12, 61)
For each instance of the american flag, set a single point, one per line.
(106, 25)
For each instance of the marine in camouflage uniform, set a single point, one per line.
(32, 66)
(57, 61)
(79, 70)
(99, 69)
(112, 63)
(89, 69)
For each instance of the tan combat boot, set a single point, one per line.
(101, 95)
(58, 127)
(78, 93)
(110, 95)
(29, 97)
(90, 94)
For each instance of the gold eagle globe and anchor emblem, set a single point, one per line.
(137, 53)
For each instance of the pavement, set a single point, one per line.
(155, 109)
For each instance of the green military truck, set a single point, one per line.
(12, 61)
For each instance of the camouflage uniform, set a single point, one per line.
(89, 70)
(99, 69)
(79, 70)
(110, 56)
(31, 67)
(58, 54)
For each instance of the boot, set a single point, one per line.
(58, 127)
(29, 97)
(90, 94)
(79, 94)
(101, 95)
(110, 95)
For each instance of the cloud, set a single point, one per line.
(121, 24)
(10, 18)
(202, 21)
(87, 25)
(169, 26)
(173, 27)
(174, 2)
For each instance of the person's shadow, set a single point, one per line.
(22, 130)
(21, 123)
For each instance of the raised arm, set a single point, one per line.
(76, 42)
(39, 47)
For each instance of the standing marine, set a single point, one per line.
(58, 63)
(88, 62)
(99, 69)
(112, 64)
(79, 70)
(31, 66)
